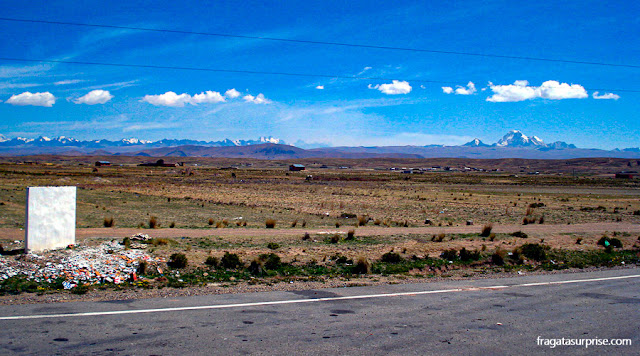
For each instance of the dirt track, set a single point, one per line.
(18, 234)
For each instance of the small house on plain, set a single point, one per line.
(626, 174)
(158, 163)
(102, 163)
(296, 167)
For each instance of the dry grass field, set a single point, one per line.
(209, 207)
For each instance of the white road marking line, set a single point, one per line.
(296, 301)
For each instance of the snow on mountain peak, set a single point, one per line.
(269, 139)
(476, 142)
(516, 138)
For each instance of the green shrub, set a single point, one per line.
(126, 242)
(449, 255)
(230, 260)
(177, 260)
(497, 258)
(535, 252)
(271, 261)
(606, 241)
(391, 257)
(212, 261)
(256, 267)
(273, 246)
(519, 234)
(466, 255)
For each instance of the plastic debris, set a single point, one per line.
(108, 262)
(140, 237)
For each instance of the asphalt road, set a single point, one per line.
(482, 317)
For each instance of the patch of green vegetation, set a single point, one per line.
(20, 284)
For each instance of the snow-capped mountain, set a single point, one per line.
(476, 142)
(63, 141)
(515, 138)
(134, 141)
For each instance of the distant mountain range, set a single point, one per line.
(514, 144)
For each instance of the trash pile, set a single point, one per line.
(108, 262)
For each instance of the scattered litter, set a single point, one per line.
(520, 272)
(109, 262)
(498, 323)
(140, 237)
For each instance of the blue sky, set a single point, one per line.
(552, 100)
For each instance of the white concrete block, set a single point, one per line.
(51, 218)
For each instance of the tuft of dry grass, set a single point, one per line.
(108, 222)
(153, 222)
(438, 238)
(486, 230)
(363, 220)
(362, 266)
(351, 234)
(211, 221)
(270, 223)
(294, 223)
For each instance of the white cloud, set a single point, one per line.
(168, 99)
(470, 89)
(35, 99)
(210, 97)
(606, 96)
(394, 88)
(67, 82)
(232, 93)
(447, 90)
(364, 70)
(520, 90)
(320, 87)
(552, 89)
(259, 99)
(94, 97)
